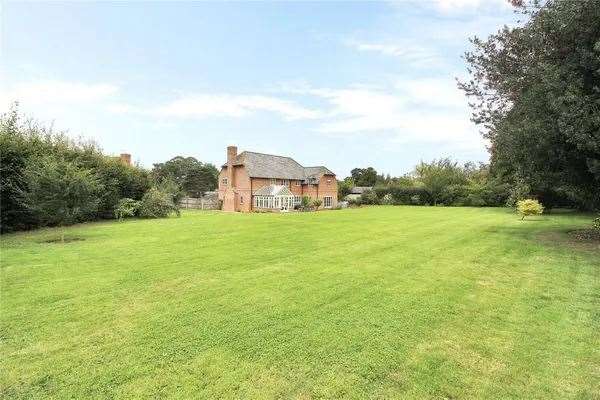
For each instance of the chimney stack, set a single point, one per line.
(125, 158)
(231, 154)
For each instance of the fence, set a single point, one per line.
(210, 201)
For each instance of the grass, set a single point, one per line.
(380, 302)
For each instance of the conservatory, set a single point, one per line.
(273, 197)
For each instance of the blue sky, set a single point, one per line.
(345, 84)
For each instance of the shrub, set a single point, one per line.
(529, 207)
(60, 193)
(24, 143)
(596, 224)
(387, 199)
(354, 202)
(305, 203)
(127, 208)
(317, 203)
(157, 203)
(369, 197)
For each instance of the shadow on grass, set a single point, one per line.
(59, 240)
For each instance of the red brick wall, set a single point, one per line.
(245, 187)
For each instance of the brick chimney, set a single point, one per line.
(125, 158)
(231, 154)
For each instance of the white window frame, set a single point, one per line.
(224, 181)
(285, 182)
(273, 181)
(298, 183)
(325, 198)
(297, 200)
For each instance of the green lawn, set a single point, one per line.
(381, 302)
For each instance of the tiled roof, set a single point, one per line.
(273, 190)
(261, 165)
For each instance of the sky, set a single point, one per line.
(340, 84)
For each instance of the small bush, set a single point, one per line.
(596, 224)
(416, 200)
(127, 208)
(369, 197)
(157, 204)
(305, 203)
(529, 207)
(317, 203)
(387, 199)
(354, 202)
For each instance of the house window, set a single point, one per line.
(241, 199)
(297, 200)
(285, 182)
(298, 183)
(224, 181)
(327, 201)
(273, 181)
(328, 180)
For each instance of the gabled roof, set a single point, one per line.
(317, 171)
(273, 190)
(260, 165)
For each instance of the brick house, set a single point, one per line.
(256, 181)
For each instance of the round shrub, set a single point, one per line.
(157, 204)
(127, 208)
(529, 207)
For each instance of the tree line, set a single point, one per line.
(535, 93)
(49, 179)
(440, 182)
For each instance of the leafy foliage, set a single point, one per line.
(369, 197)
(529, 207)
(157, 203)
(536, 92)
(387, 199)
(316, 203)
(126, 208)
(24, 143)
(364, 176)
(596, 224)
(61, 193)
(344, 187)
(439, 175)
(193, 177)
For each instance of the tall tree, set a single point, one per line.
(437, 175)
(192, 176)
(536, 92)
(364, 176)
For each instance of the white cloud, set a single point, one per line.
(408, 52)
(453, 5)
(223, 106)
(57, 92)
(417, 110)
(432, 92)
